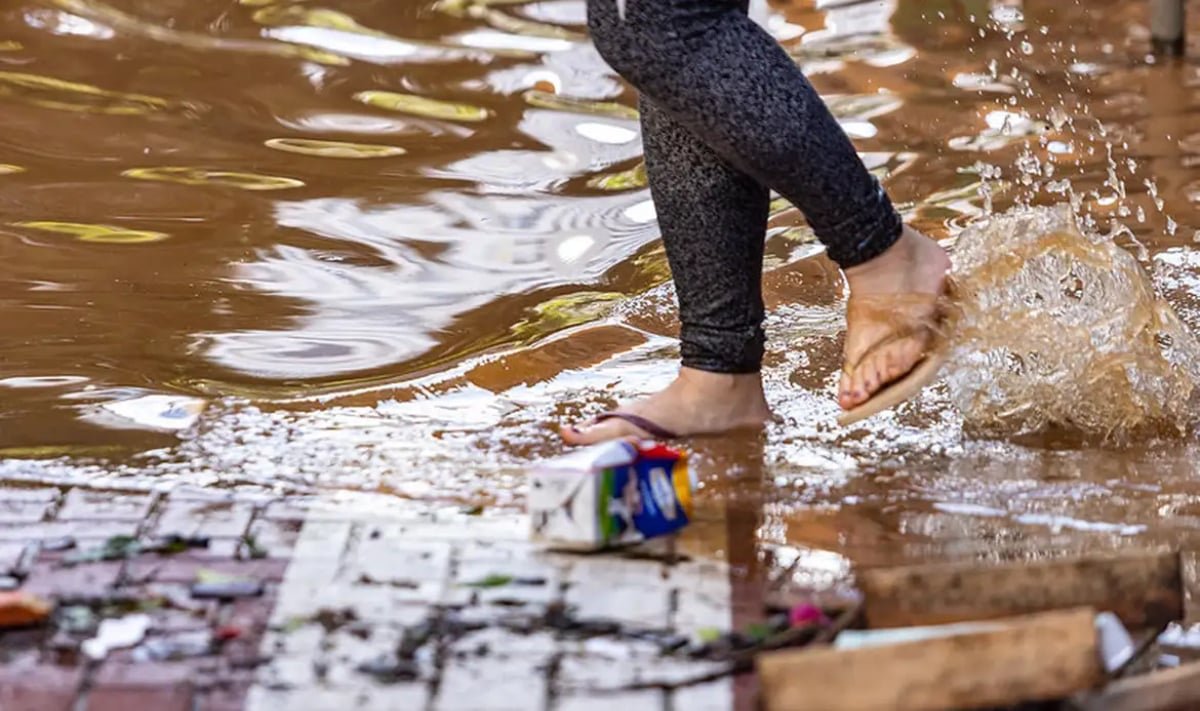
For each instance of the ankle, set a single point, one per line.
(911, 263)
(720, 384)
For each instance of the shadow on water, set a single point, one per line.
(384, 248)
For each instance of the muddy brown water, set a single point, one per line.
(388, 244)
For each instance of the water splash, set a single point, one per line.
(1061, 329)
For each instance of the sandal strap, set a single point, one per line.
(650, 428)
(885, 308)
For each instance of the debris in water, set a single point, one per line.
(389, 669)
(116, 633)
(227, 590)
(115, 548)
(55, 545)
(807, 614)
(212, 585)
(615, 493)
(178, 646)
(21, 609)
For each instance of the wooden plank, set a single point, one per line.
(1158, 691)
(1189, 573)
(1033, 658)
(1143, 589)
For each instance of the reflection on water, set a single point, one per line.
(182, 226)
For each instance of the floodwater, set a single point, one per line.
(383, 247)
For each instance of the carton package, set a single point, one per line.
(609, 494)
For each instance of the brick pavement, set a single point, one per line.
(365, 600)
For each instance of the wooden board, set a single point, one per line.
(1143, 589)
(1037, 657)
(1189, 573)
(1170, 690)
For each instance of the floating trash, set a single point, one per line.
(160, 412)
(9, 169)
(422, 106)
(20, 609)
(213, 585)
(11, 46)
(610, 494)
(197, 176)
(334, 149)
(183, 645)
(117, 633)
(85, 232)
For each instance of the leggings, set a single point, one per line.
(726, 117)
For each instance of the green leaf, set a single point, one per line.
(492, 581)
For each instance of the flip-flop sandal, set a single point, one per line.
(919, 376)
(640, 422)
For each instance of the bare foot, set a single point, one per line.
(891, 292)
(697, 402)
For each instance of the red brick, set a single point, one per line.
(38, 688)
(159, 686)
(223, 697)
(182, 568)
(101, 505)
(85, 579)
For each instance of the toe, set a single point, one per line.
(877, 371)
(599, 432)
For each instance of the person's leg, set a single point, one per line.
(721, 76)
(713, 220)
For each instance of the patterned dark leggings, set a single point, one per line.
(727, 116)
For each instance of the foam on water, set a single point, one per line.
(1060, 328)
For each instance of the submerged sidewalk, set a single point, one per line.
(231, 601)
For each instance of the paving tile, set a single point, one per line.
(375, 603)
(96, 530)
(394, 697)
(277, 537)
(715, 696)
(182, 567)
(25, 506)
(491, 644)
(38, 687)
(230, 696)
(323, 539)
(83, 580)
(10, 555)
(100, 505)
(626, 591)
(186, 517)
(494, 685)
(147, 685)
(646, 700)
